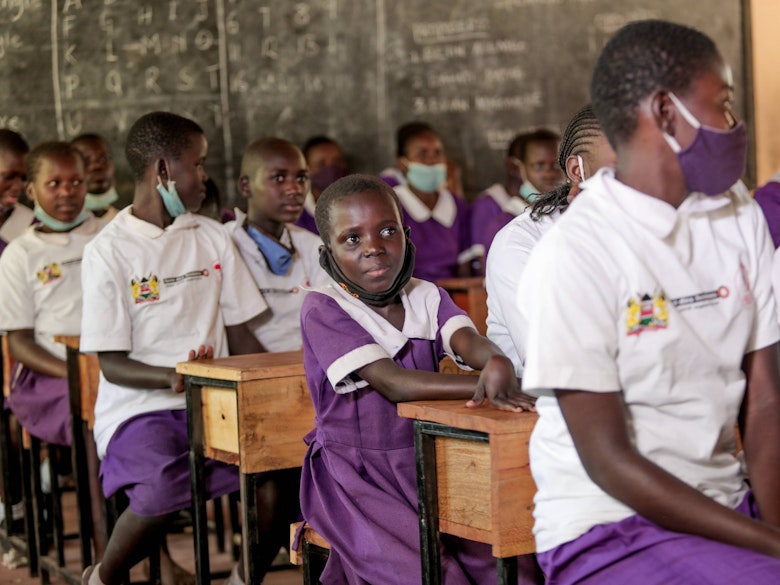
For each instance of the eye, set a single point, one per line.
(388, 232)
(277, 178)
(52, 183)
(77, 182)
(302, 178)
(351, 239)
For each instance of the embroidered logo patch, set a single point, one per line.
(145, 290)
(49, 273)
(646, 313)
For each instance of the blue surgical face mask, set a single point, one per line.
(426, 178)
(97, 202)
(55, 224)
(171, 199)
(276, 255)
(715, 159)
(528, 192)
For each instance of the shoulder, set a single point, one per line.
(303, 238)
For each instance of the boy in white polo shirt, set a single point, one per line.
(651, 329)
(161, 282)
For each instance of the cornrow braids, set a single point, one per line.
(550, 202)
(579, 135)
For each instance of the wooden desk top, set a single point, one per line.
(464, 282)
(244, 368)
(455, 413)
(71, 341)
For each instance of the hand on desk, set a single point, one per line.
(203, 353)
(499, 384)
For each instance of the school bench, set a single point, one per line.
(251, 411)
(473, 480)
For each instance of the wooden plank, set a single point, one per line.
(470, 295)
(448, 366)
(455, 413)
(463, 475)
(308, 535)
(8, 364)
(275, 415)
(220, 418)
(257, 366)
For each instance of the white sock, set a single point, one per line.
(94, 578)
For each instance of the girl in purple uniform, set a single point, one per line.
(374, 337)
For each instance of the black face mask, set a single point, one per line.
(379, 299)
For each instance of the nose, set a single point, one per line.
(372, 245)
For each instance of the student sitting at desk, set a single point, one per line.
(373, 337)
(651, 331)
(283, 258)
(160, 281)
(327, 163)
(99, 166)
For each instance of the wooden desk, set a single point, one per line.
(252, 411)
(470, 295)
(473, 480)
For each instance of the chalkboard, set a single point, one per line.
(479, 72)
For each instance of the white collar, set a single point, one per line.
(656, 215)
(238, 225)
(444, 212)
(420, 299)
(186, 220)
(512, 205)
(15, 224)
(89, 227)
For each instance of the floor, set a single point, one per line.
(181, 548)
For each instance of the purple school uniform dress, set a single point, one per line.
(358, 485)
(42, 405)
(768, 198)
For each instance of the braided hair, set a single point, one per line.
(582, 129)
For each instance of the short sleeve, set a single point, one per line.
(239, 299)
(337, 342)
(565, 298)
(102, 294)
(451, 318)
(17, 310)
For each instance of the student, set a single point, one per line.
(651, 330)
(14, 217)
(283, 258)
(439, 220)
(99, 166)
(40, 275)
(583, 151)
(768, 198)
(171, 281)
(327, 164)
(371, 338)
(535, 158)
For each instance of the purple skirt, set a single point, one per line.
(42, 405)
(148, 458)
(635, 550)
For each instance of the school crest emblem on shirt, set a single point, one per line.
(49, 273)
(145, 290)
(646, 313)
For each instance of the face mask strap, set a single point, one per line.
(582, 168)
(690, 118)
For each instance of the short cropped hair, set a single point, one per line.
(157, 135)
(316, 141)
(32, 163)
(519, 145)
(344, 187)
(643, 57)
(409, 131)
(11, 141)
(256, 153)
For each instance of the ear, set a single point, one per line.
(29, 190)
(402, 164)
(161, 166)
(243, 187)
(573, 170)
(663, 112)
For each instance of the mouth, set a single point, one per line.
(377, 271)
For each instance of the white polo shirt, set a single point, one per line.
(506, 262)
(156, 294)
(40, 276)
(626, 293)
(16, 223)
(279, 328)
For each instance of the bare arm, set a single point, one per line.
(241, 340)
(760, 428)
(119, 369)
(597, 425)
(34, 357)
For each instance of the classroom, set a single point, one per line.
(263, 242)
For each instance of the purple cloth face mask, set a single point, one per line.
(322, 178)
(715, 159)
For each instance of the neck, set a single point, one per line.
(148, 206)
(269, 227)
(429, 199)
(656, 174)
(512, 186)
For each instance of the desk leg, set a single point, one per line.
(249, 532)
(79, 456)
(198, 483)
(428, 504)
(507, 571)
